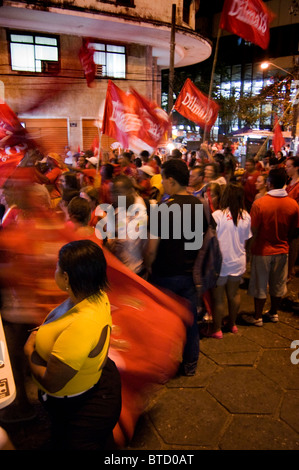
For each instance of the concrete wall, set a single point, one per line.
(152, 11)
(66, 94)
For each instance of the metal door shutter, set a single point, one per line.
(90, 133)
(49, 134)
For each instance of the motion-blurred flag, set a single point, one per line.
(249, 19)
(146, 355)
(155, 121)
(118, 119)
(132, 120)
(13, 142)
(11, 130)
(278, 139)
(196, 106)
(8, 163)
(87, 62)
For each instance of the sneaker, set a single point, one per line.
(252, 321)
(273, 318)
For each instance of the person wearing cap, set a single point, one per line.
(90, 173)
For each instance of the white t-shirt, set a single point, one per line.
(232, 241)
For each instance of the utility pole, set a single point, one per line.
(171, 62)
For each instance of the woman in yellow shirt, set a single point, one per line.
(68, 355)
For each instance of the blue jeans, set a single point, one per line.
(183, 286)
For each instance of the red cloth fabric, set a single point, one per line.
(105, 192)
(248, 19)
(29, 252)
(278, 139)
(86, 58)
(248, 181)
(8, 164)
(53, 177)
(275, 218)
(147, 340)
(293, 191)
(149, 327)
(90, 175)
(132, 119)
(196, 106)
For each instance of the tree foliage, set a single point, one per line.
(248, 109)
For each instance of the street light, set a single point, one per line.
(265, 66)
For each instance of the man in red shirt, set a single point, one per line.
(274, 223)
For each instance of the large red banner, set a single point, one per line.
(249, 19)
(132, 120)
(196, 106)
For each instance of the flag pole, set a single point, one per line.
(171, 66)
(171, 60)
(100, 146)
(212, 77)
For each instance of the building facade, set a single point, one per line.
(239, 75)
(240, 71)
(41, 76)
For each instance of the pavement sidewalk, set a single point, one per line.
(244, 396)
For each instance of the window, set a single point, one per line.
(110, 60)
(186, 11)
(124, 3)
(33, 52)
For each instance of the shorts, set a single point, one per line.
(272, 270)
(222, 280)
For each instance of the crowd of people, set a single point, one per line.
(56, 207)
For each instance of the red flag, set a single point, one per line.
(133, 120)
(118, 120)
(9, 160)
(87, 62)
(196, 106)
(13, 141)
(11, 131)
(155, 122)
(278, 139)
(146, 356)
(249, 19)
